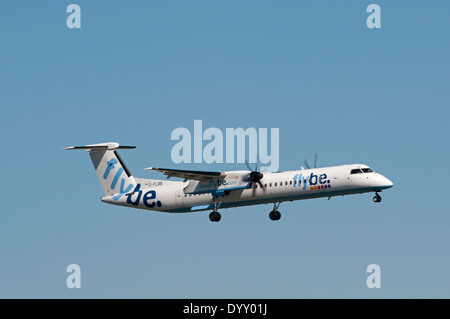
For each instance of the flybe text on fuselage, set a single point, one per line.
(315, 181)
(220, 182)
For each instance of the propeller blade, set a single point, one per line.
(262, 186)
(248, 166)
(254, 187)
(306, 164)
(254, 177)
(315, 160)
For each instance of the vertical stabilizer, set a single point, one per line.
(112, 172)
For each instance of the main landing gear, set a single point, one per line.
(215, 216)
(275, 214)
(377, 198)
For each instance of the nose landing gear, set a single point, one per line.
(377, 198)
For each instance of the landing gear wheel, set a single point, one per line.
(274, 215)
(215, 216)
(377, 198)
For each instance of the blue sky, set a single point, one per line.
(135, 72)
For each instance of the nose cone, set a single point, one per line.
(383, 182)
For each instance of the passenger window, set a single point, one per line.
(270, 184)
(290, 182)
(275, 184)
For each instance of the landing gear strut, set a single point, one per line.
(215, 216)
(377, 198)
(275, 214)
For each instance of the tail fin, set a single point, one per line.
(114, 176)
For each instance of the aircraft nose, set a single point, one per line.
(384, 182)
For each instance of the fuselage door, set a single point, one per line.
(179, 198)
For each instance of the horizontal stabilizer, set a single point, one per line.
(101, 146)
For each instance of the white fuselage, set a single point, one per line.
(188, 196)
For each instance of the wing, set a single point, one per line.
(186, 174)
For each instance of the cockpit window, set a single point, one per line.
(359, 170)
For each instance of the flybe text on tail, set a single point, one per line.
(122, 190)
(146, 198)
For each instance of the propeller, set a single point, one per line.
(315, 162)
(255, 177)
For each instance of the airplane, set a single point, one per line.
(207, 190)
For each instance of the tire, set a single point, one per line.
(277, 215)
(274, 215)
(215, 216)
